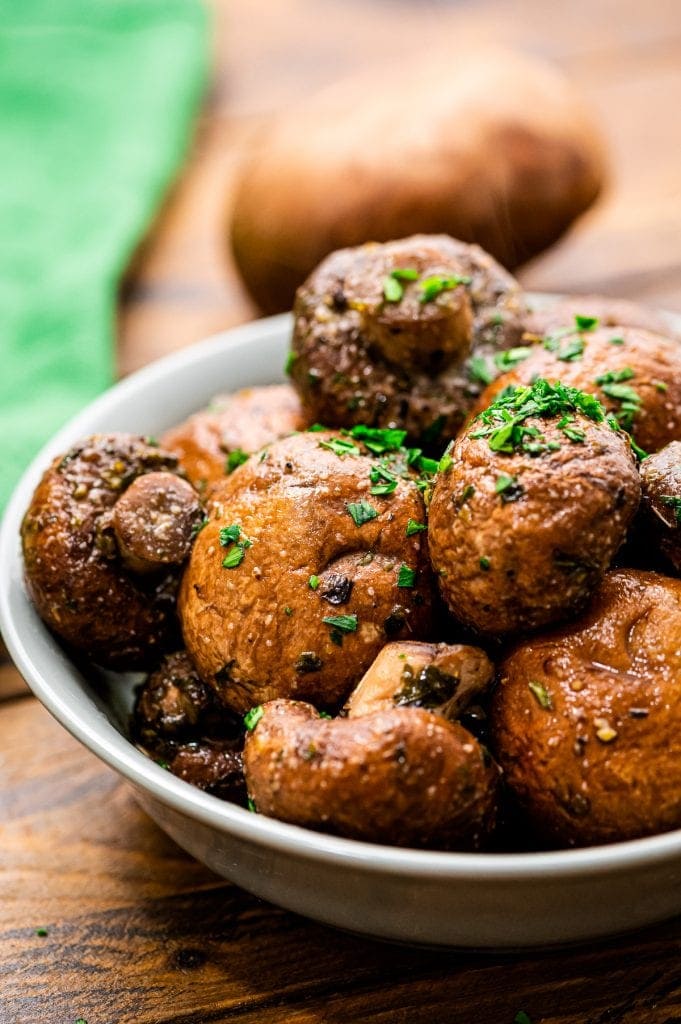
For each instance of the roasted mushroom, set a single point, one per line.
(442, 678)
(212, 443)
(307, 565)
(388, 335)
(661, 501)
(102, 546)
(179, 721)
(548, 316)
(585, 719)
(634, 373)
(531, 503)
(403, 776)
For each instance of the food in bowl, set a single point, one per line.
(326, 683)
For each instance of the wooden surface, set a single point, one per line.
(137, 931)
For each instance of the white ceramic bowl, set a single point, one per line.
(453, 899)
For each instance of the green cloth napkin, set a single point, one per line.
(97, 99)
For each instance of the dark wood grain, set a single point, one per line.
(138, 931)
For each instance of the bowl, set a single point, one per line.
(481, 900)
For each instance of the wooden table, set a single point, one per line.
(136, 930)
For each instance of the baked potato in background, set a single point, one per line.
(304, 570)
(491, 146)
(585, 718)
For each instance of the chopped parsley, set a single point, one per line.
(521, 1018)
(252, 717)
(613, 384)
(673, 502)
(572, 336)
(362, 512)
(313, 582)
(325, 714)
(41, 932)
(479, 370)
(229, 535)
(406, 577)
(405, 274)
(393, 290)
(290, 360)
(446, 461)
(163, 764)
(617, 341)
(511, 357)
(504, 424)
(339, 625)
(414, 527)
(433, 286)
(586, 323)
(540, 694)
(378, 439)
(235, 459)
(252, 808)
(232, 535)
(508, 488)
(340, 446)
(484, 563)
(383, 480)
(615, 376)
(197, 527)
(288, 610)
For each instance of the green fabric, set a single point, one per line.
(97, 99)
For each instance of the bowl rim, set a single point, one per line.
(121, 755)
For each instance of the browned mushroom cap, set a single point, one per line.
(443, 678)
(216, 767)
(661, 501)
(585, 719)
(382, 333)
(302, 573)
(74, 573)
(174, 704)
(520, 531)
(213, 442)
(155, 521)
(403, 776)
(550, 316)
(634, 373)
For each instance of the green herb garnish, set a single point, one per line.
(340, 624)
(414, 527)
(340, 446)
(466, 494)
(392, 289)
(405, 274)
(232, 535)
(41, 932)
(511, 357)
(406, 577)
(540, 694)
(229, 535)
(484, 563)
(508, 488)
(325, 714)
(378, 439)
(197, 527)
(521, 1018)
(433, 286)
(586, 323)
(479, 370)
(290, 360)
(361, 512)
(235, 459)
(251, 806)
(313, 582)
(252, 717)
(504, 423)
(234, 557)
